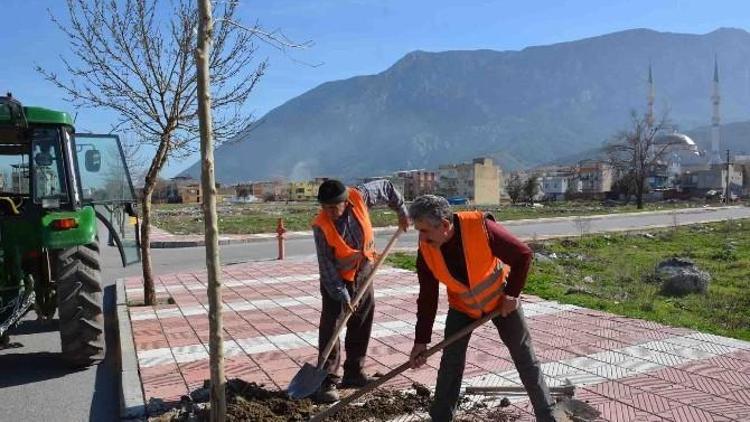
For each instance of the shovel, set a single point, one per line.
(404, 366)
(309, 378)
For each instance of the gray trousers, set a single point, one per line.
(515, 335)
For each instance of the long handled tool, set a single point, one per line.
(404, 366)
(309, 378)
(567, 390)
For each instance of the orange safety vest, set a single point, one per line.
(348, 259)
(486, 272)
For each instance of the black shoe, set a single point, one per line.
(356, 381)
(327, 393)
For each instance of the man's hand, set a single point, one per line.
(350, 307)
(508, 305)
(403, 223)
(415, 357)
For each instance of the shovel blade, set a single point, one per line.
(307, 381)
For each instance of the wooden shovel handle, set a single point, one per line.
(403, 367)
(360, 292)
(568, 390)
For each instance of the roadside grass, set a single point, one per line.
(403, 260)
(612, 273)
(183, 219)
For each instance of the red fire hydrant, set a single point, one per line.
(280, 230)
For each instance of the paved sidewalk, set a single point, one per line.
(629, 369)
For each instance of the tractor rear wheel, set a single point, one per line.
(80, 304)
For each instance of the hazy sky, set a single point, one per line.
(355, 37)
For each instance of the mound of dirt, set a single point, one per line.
(246, 401)
(250, 402)
(384, 405)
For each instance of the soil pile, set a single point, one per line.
(246, 401)
(250, 402)
(386, 404)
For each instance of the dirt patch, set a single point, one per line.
(386, 404)
(471, 409)
(252, 402)
(246, 401)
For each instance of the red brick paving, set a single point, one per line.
(714, 388)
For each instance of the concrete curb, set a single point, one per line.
(132, 401)
(264, 237)
(250, 238)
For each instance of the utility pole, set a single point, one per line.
(727, 191)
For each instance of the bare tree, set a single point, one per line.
(128, 59)
(531, 188)
(514, 187)
(135, 158)
(639, 148)
(625, 186)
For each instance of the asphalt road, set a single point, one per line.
(183, 259)
(36, 386)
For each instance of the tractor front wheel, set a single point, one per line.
(80, 304)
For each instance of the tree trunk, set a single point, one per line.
(639, 193)
(215, 347)
(149, 294)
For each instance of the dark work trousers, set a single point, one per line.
(515, 334)
(358, 328)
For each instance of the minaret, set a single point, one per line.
(651, 96)
(716, 119)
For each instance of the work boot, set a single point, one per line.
(327, 393)
(357, 380)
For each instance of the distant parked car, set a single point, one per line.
(457, 200)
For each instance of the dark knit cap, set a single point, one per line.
(332, 192)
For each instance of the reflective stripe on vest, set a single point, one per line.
(469, 296)
(347, 259)
(485, 271)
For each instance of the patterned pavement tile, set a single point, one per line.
(652, 403)
(713, 386)
(614, 390)
(725, 407)
(616, 411)
(741, 396)
(692, 414)
(631, 370)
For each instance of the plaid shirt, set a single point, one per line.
(374, 193)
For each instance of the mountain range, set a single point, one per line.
(523, 108)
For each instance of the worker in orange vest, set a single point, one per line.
(474, 257)
(345, 246)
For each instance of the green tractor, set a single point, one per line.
(56, 188)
